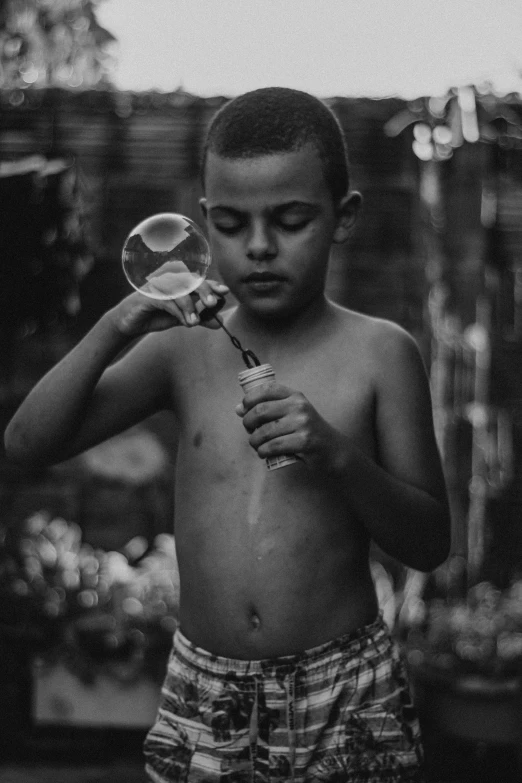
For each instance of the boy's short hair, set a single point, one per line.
(272, 120)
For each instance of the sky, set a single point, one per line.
(372, 48)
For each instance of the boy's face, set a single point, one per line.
(271, 222)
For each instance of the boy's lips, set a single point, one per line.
(262, 280)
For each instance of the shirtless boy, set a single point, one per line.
(282, 668)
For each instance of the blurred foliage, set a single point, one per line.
(96, 611)
(52, 43)
(43, 248)
(452, 629)
(442, 124)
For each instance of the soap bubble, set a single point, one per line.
(166, 256)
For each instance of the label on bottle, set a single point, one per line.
(255, 376)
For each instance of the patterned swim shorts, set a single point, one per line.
(340, 712)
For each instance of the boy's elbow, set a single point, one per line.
(17, 448)
(439, 549)
(444, 548)
(431, 547)
(428, 561)
(436, 558)
(13, 444)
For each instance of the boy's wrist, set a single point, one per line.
(112, 323)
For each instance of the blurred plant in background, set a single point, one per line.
(52, 43)
(93, 610)
(453, 630)
(44, 249)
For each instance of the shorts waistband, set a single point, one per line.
(350, 644)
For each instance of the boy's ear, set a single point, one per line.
(347, 212)
(203, 207)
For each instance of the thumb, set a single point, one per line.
(240, 410)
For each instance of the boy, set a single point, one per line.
(282, 668)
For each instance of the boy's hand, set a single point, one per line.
(283, 421)
(138, 314)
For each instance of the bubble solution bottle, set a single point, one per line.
(257, 376)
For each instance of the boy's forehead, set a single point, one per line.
(299, 171)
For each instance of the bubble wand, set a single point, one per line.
(248, 356)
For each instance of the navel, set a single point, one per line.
(255, 622)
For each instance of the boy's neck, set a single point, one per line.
(274, 335)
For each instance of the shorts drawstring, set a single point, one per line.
(254, 729)
(290, 720)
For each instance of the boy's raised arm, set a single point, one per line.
(79, 402)
(85, 399)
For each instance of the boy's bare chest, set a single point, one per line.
(342, 393)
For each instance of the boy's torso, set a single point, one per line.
(271, 562)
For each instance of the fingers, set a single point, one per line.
(211, 301)
(209, 296)
(262, 413)
(291, 443)
(277, 419)
(209, 290)
(171, 307)
(138, 314)
(207, 313)
(187, 307)
(271, 431)
(268, 392)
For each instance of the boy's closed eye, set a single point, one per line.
(227, 221)
(293, 225)
(286, 225)
(228, 228)
(288, 217)
(294, 216)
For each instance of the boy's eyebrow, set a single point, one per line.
(278, 209)
(223, 208)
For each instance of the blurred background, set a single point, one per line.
(103, 111)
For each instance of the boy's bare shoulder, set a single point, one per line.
(377, 335)
(387, 351)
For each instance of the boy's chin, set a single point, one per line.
(270, 311)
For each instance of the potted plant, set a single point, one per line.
(464, 653)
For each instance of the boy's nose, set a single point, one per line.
(261, 243)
